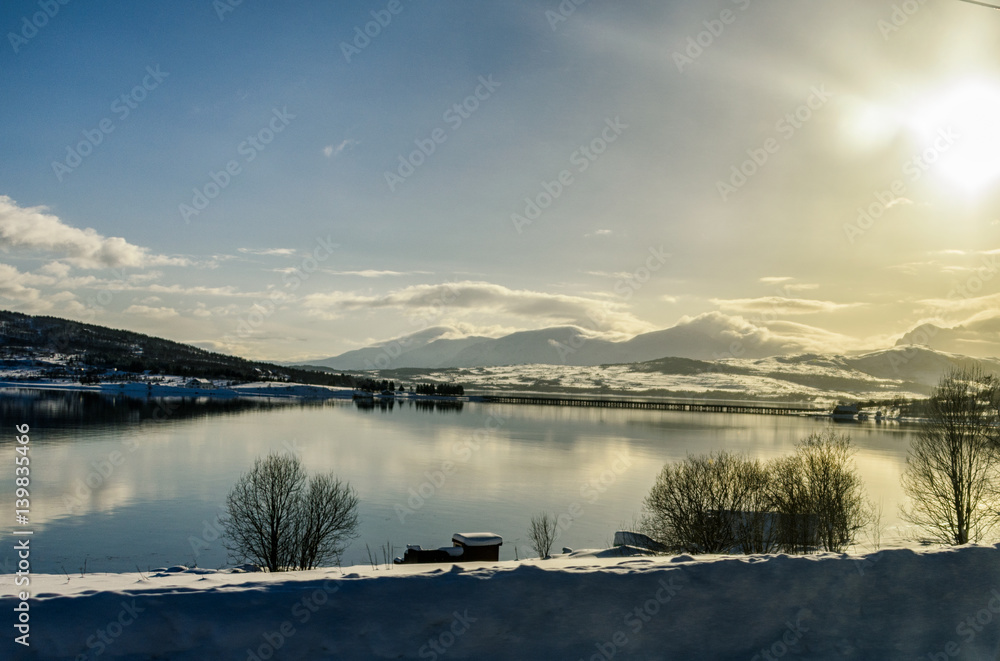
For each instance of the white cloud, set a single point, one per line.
(483, 298)
(31, 228)
(743, 338)
(977, 336)
(268, 251)
(12, 285)
(780, 305)
(616, 275)
(151, 312)
(335, 150)
(57, 269)
(959, 304)
(372, 273)
(16, 288)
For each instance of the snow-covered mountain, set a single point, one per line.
(705, 337)
(979, 338)
(907, 372)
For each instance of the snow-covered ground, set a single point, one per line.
(759, 379)
(820, 379)
(894, 604)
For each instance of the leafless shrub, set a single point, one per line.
(542, 533)
(951, 470)
(280, 519)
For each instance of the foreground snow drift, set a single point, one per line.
(896, 604)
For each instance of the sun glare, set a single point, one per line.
(958, 130)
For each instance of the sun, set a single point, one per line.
(958, 131)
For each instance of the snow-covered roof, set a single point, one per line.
(477, 538)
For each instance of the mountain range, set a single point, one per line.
(710, 336)
(720, 361)
(706, 337)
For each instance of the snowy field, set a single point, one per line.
(895, 604)
(817, 381)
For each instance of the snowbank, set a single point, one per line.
(895, 604)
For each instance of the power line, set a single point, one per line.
(981, 4)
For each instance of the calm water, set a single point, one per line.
(120, 483)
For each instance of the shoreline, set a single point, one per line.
(175, 388)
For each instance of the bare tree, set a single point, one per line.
(788, 496)
(700, 504)
(835, 493)
(279, 519)
(756, 527)
(326, 520)
(724, 503)
(951, 470)
(542, 533)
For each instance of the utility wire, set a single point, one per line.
(981, 4)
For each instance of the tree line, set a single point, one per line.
(729, 503)
(814, 499)
(445, 389)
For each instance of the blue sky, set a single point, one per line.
(659, 228)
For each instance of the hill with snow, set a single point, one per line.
(980, 337)
(710, 336)
(900, 372)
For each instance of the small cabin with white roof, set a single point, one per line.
(466, 547)
(478, 546)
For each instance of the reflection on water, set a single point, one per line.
(385, 404)
(75, 410)
(120, 482)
